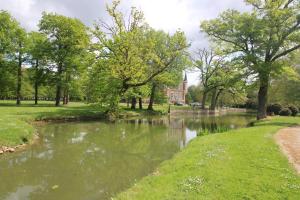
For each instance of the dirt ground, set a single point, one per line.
(289, 141)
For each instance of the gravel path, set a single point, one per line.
(289, 141)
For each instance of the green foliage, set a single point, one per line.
(67, 36)
(260, 38)
(131, 55)
(194, 94)
(39, 50)
(285, 112)
(286, 87)
(7, 79)
(9, 29)
(124, 59)
(68, 40)
(13, 44)
(160, 97)
(38, 45)
(103, 88)
(221, 78)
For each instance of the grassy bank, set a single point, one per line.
(16, 121)
(239, 164)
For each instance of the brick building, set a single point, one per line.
(177, 95)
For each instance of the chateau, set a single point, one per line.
(177, 95)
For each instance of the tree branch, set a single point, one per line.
(285, 52)
(151, 76)
(287, 4)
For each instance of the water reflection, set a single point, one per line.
(96, 160)
(185, 128)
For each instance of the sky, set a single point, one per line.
(167, 15)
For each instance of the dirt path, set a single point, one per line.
(289, 141)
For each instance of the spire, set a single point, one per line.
(185, 77)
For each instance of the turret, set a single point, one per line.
(185, 87)
(185, 84)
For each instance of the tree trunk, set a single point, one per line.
(140, 103)
(58, 94)
(66, 96)
(66, 90)
(36, 84)
(152, 95)
(19, 79)
(58, 85)
(218, 95)
(36, 93)
(128, 102)
(204, 100)
(213, 100)
(263, 97)
(133, 103)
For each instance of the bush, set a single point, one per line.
(251, 104)
(274, 108)
(285, 112)
(270, 109)
(294, 110)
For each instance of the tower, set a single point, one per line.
(185, 86)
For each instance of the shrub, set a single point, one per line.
(274, 108)
(294, 110)
(285, 112)
(251, 104)
(270, 109)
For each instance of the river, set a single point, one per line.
(97, 160)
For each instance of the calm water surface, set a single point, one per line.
(96, 160)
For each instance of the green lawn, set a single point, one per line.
(16, 121)
(239, 164)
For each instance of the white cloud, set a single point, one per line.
(168, 14)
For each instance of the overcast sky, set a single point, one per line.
(168, 15)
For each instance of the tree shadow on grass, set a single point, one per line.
(26, 105)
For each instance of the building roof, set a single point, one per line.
(185, 77)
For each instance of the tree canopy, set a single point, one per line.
(260, 38)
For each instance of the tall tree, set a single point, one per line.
(126, 53)
(12, 46)
(228, 79)
(8, 29)
(21, 42)
(170, 78)
(8, 32)
(209, 63)
(37, 50)
(68, 39)
(261, 38)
